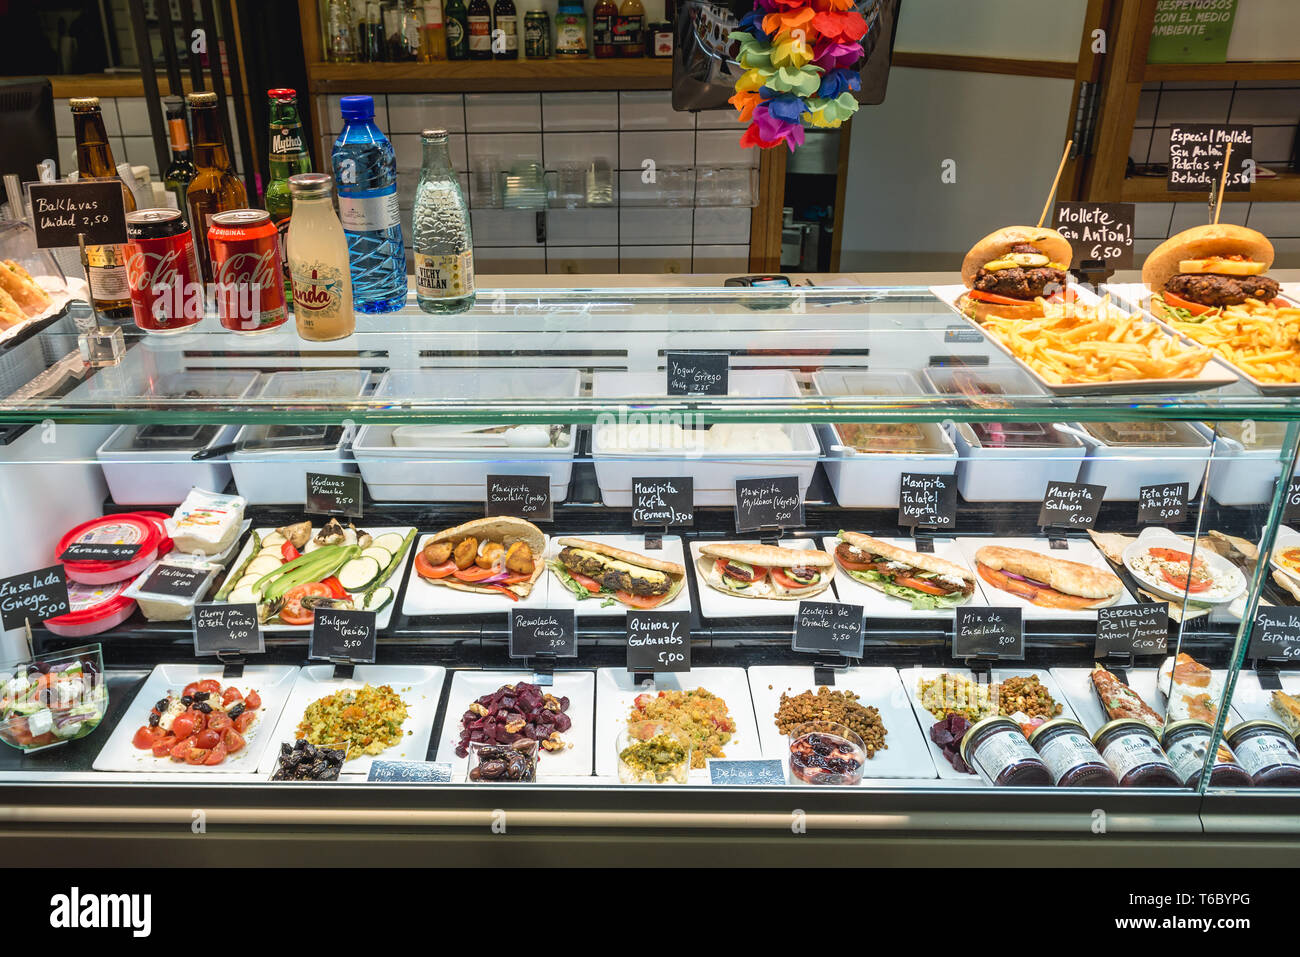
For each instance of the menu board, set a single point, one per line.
(768, 503)
(658, 641)
(220, 627)
(33, 596)
(95, 209)
(697, 373)
(520, 496)
(1071, 505)
(543, 631)
(988, 633)
(334, 494)
(1196, 152)
(1275, 634)
(927, 500)
(1162, 504)
(1141, 629)
(663, 502)
(343, 633)
(829, 626)
(1098, 232)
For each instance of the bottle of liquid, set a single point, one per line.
(433, 38)
(480, 30)
(629, 29)
(365, 172)
(570, 29)
(181, 169)
(109, 287)
(457, 20)
(342, 38)
(318, 261)
(215, 188)
(372, 33)
(505, 30)
(603, 15)
(444, 250)
(286, 157)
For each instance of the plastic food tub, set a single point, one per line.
(144, 529)
(1124, 456)
(451, 463)
(865, 461)
(93, 609)
(1247, 461)
(635, 444)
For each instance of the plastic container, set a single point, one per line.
(161, 606)
(52, 700)
(1070, 756)
(1247, 461)
(996, 748)
(653, 754)
(503, 763)
(1124, 456)
(93, 609)
(823, 752)
(1267, 753)
(1188, 742)
(1133, 753)
(714, 473)
(143, 529)
(448, 464)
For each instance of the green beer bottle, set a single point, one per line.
(286, 157)
(456, 17)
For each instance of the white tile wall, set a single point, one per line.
(575, 260)
(508, 148)
(504, 227)
(732, 259)
(410, 150)
(581, 148)
(722, 148)
(666, 149)
(503, 112)
(722, 226)
(583, 227)
(1275, 220)
(654, 227)
(655, 259)
(651, 110)
(416, 112)
(580, 111)
(527, 260)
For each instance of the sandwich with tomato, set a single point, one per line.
(1045, 580)
(501, 556)
(1192, 275)
(926, 581)
(594, 570)
(1008, 271)
(765, 571)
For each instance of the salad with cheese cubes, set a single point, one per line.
(52, 701)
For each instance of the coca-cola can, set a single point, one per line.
(162, 269)
(246, 269)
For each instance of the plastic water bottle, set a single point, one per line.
(365, 172)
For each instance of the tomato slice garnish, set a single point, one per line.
(785, 581)
(590, 584)
(147, 736)
(474, 574)
(504, 590)
(640, 601)
(252, 701)
(994, 297)
(920, 584)
(1195, 308)
(426, 570)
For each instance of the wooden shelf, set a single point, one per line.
(475, 76)
(1283, 188)
(1246, 70)
(115, 84)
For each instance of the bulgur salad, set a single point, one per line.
(368, 720)
(701, 715)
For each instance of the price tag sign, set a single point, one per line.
(543, 631)
(346, 633)
(334, 494)
(520, 496)
(219, 628)
(1071, 505)
(1275, 634)
(1098, 232)
(658, 641)
(697, 373)
(988, 633)
(663, 502)
(762, 772)
(828, 626)
(1141, 629)
(410, 772)
(176, 581)
(99, 552)
(1162, 504)
(1196, 152)
(96, 209)
(927, 500)
(768, 503)
(1291, 507)
(33, 596)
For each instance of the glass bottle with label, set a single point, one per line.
(570, 29)
(181, 169)
(505, 30)
(602, 29)
(433, 38)
(106, 269)
(342, 38)
(318, 261)
(480, 30)
(286, 157)
(457, 24)
(444, 248)
(215, 188)
(629, 27)
(372, 33)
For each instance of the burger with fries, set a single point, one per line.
(1011, 271)
(1201, 270)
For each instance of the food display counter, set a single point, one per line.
(875, 584)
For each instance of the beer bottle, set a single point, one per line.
(215, 188)
(106, 265)
(286, 157)
(480, 30)
(457, 19)
(181, 169)
(505, 30)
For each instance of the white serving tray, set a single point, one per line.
(907, 754)
(557, 596)
(420, 686)
(1077, 684)
(1250, 702)
(578, 686)
(877, 604)
(616, 694)
(1077, 550)
(716, 604)
(426, 598)
(271, 682)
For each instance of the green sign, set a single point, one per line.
(1191, 31)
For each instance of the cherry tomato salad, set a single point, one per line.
(203, 725)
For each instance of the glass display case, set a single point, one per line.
(952, 600)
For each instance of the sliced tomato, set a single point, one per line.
(244, 722)
(983, 296)
(785, 581)
(207, 738)
(288, 553)
(210, 686)
(474, 574)
(147, 736)
(196, 756)
(336, 588)
(229, 695)
(1195, 308)
(723, 568)
(190, 688)
(920, 584)
(215, 756)
(1169, 554)
(590, 584)
(640, 601)
(163, 746)
(1279, 303)
(232, 740)
(253, 701)
(293, 612)
(187, 723)
(181, 748)
(218, 722)
(425, 570)
(1198, 584)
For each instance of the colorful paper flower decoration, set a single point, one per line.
(798, 58)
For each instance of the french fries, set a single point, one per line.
(1259, 338)
(1079, 343)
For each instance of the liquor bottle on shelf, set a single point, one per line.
(401, 33)
(215, 188)
(106, 265)
(456, 19)
(286, 157)
(629, 29)
(181, 169)
(440, 233)
(570, 29)
(318, 262)
(365, 173)
(372, 33)
(603, 15)
(433, 37)
(342, 37)
(480, 30)
(505, 30)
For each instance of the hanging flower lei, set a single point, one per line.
(798, 57)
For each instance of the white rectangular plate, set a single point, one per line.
(880, 605)
(271, 682)
(420, 686)
(616, 694)
(578, 686)
(906, 755)
(1251, 702)
(1077, 550)
(1077, 684)
(717, 604)
(426, 598)
(557, 596)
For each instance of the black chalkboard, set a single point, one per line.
(663, 502)
(1141, 629)
(1098, 232)
(1162, 504)
(927, 500)
(1291, 507)
(768, 503)
(988, 633)
(658, 640)
(349, 634)
(221, 627)
(176, 581)
(543, 631)
(520, 496)
(35, 596)
(100, 552)
(1071, 505)
(1196, 153)
(828, 626)
(1275, 633)
(95, 208)
(697, 373)
(334, 494)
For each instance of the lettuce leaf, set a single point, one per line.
(919, 600)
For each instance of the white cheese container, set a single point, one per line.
(159, 606)
(1124, 456)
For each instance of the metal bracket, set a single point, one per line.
(924, 543)
(643, 679)
(824, 672)
(770, 535)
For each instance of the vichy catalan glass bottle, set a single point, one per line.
(444, 249)
(318, 261)
(365, 172)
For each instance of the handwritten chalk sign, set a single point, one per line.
(1071, 505)
(95, 208)
(988, 633)
(1275, 633)
(34, 596)
(1196, 152)
(1291, 506)
(663, 502)
(346, 633)
(697, 373)
(658, 641)
(520, 496)
(768, 503)
(1141, 629)
(177, 581)
(100, 552)
(1162, 504)
(927, 500)
(543, 631)
(1098, 232)
(828, 626)
(221, 627)
(334, 494)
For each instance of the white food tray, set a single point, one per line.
(426, 598)
(557, 596)
(877, 604)
(1077, 684)
(717, 604)
(1250, 702)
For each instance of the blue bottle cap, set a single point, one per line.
(357, 107)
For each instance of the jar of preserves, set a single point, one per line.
(1131, 749)
(1068, 752)
(996, 748)
(1267, 753)
(1186, 744)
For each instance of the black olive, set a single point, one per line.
(186, 700)
(235, 710)
(286, 750)
(204, 707)
(163, 703)
(202, 695)
(153, 720)
(297, 745)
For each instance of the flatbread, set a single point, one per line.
(622, 555)
(752, 553)
(1111, 544)
(1070, 578)
(706, 568)
(505, 530)
(928, 563)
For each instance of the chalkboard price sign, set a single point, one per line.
(1071, 505)
(543, 631)
(100, 552)
(1275, 634)
(349, 634)
(988, 633)
(334, 494)
(927, 500)
(1098, 232)
(33, 596)
(1162, 504)
(658, 641)
(768, 503)
(1141, 629)
(663, 502)
(828, 626)
(520, 496)
(1196, 152)
(1291, 507)
(698, 373)
(94, 208)
(176, 581)
(220, 627)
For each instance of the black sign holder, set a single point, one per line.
(543, 669)
(1122, 662)
(1267, 671)
(981, 667)
(232, 663)
(654, 539)
(344, 668)
(770, 534)
(824, 671)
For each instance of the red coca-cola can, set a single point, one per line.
(246, 269)
(162, 269)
